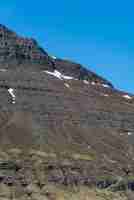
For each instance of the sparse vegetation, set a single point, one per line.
(87, 157)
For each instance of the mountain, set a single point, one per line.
(59, 121)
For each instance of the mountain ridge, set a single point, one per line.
(23, 51)
(61, 120)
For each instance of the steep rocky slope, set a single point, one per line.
(60, 121)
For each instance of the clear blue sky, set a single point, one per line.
(98, 34)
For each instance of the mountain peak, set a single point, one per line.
(25, 53)
(19, 49)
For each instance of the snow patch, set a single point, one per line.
(127, 96)
(100, 84)
(67, 77)
(3, 70)
(57, 74)
(106, 95)
(93, 83)
(11, 92)
(105, 85)
(67, 85)
(86, 82)
(129, 133)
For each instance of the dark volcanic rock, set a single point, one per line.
(78, 72)
(22, 53)
(59, 106)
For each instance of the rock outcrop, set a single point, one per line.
(19, 49)
(22, 53)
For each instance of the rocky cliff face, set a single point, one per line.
(58, 109)
(22, 53)
(18, 49)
